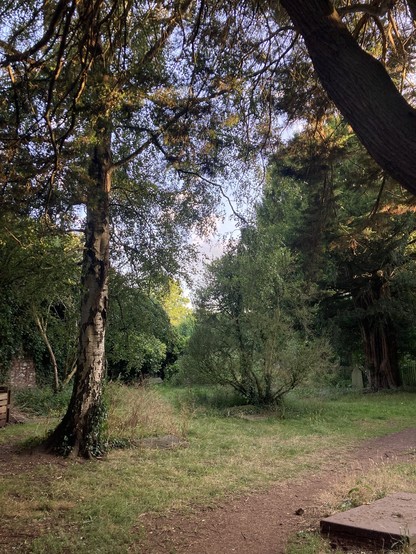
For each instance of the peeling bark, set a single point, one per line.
(359, 86)
(79, 431)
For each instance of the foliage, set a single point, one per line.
(181, 316)
(140, 335)
(39, 293)
(42, 401)
(252, 329)
(354, 234)
(171, 86)
(176, 305)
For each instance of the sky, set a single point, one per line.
(226, 228)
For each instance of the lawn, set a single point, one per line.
(95, 506)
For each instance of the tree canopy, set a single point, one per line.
(343, 47)
(354, 231)
(125, 113)
(39, 283)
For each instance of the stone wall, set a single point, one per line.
(22, 373)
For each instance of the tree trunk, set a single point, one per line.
(378, 333)
(42, 330)
(359, 86)
(79, 431)
(381, 355)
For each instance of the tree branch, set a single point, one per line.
(217, 185)
(24, 56)
(370, 9)
(360, 87)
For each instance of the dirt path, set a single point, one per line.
(258, 523)
(261, 523)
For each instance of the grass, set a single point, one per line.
(96, 506)
(42, 401)
(135, 413)
(352, 491)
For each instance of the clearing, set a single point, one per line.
(262, 523)
(256, 523)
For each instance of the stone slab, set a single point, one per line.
(387, 523)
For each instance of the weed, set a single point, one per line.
(309, 542)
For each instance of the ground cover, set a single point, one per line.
(64, 506)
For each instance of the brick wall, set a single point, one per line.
(22, 373)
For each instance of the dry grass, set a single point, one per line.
(359, 488)
(137, 412)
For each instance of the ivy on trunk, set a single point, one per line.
(80, 430)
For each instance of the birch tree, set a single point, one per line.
(92, 90)
(95, 92)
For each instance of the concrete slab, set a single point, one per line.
(386, 523)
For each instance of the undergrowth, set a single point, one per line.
(137, 412)
(42, 401)
(97, 506)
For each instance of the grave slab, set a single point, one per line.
(385, 523)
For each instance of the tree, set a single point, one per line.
(359, 84)
(355, 234)
(79, 87)
(140, 336)
(96, 92)
(39, 283)
(177, 306)
(252, 323)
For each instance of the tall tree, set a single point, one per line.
(98, 91)
(356, 81)
(253, 321)
(355, 236)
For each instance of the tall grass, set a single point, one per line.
(42, 401)
(137, 412)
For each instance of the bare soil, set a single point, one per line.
(261, 523)
(257, 523)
